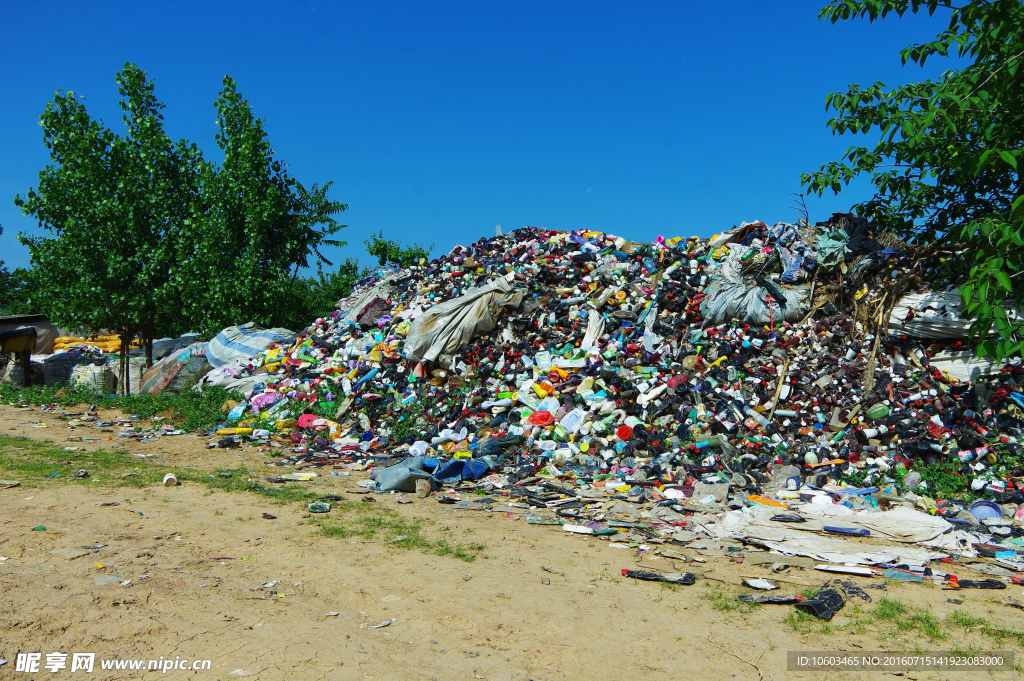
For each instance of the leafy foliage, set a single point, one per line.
(256, 227)
(191, 409)
(945, 163)
(147, 238)
(310, 298)
(14, 290)
(113, 204)
(391, 251)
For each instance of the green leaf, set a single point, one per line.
(1004, 280)
(967, 295)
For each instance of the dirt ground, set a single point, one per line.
(194, 569)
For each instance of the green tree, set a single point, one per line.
(256, 227)
(945, 162)
(313, 297)
(13, 289)
(14, 292)
(391, 250)
(113, 205)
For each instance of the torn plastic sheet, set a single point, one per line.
(733, 296)
(449, 326)
(859, 553)
(899, 524)
(935, 314)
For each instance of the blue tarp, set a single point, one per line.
(242, 342)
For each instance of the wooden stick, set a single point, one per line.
(778, 388)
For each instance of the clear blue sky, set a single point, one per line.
(439, 120)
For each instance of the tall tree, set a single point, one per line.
(945, 165)
(112, 204)
(258, 226)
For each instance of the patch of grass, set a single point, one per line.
(799, 621)
(890, 609)
(1000, 634)
(908, 619)
(190, 410)
(240, 480)
(32, 461)
(724, 601)
(375, 523)
(959, 618)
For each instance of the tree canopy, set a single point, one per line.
(391, 250)
(945, 164)
(147, 237)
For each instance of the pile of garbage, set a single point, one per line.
(808, 371)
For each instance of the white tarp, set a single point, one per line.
(963, 365)
(935, 314)
(447, 327)
(846, 551)
(382, 290)
(901, 524)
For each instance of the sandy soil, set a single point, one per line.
(537, 603)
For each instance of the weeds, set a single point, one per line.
(374, 523)
(909, 619)
(41, 462)
(959, 618)
(190, 410)
(726, 602)
(799, 621)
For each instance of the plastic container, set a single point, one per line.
(983, 508)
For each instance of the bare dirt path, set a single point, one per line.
(274, 599)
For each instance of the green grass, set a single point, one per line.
(33, 462)
(350, 519)
(1000, 633)
(909, 619)
(724, 601)
(799, 621)
(890, 611)
(959, 618)
(191, 410)
(906, 619)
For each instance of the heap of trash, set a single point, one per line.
(785, 386)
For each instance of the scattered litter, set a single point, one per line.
(761, 584)
(104, 580)
(824, 604)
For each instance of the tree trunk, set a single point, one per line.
(147, 341)
(125, 387)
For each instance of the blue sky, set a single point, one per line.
(438, 121)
